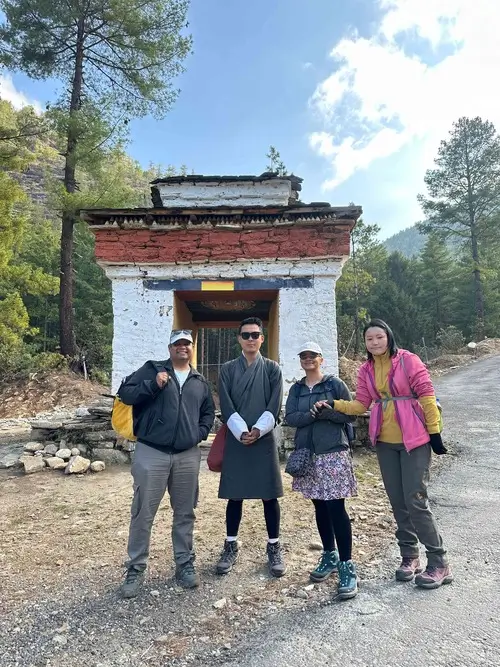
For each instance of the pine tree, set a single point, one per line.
(115, 61)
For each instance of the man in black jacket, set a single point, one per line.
(173, 412)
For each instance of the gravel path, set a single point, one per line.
(62, 550)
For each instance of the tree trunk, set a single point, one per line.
(66, 314)
(478, 288)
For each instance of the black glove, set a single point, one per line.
(436, 443)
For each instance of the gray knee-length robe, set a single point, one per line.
(250, 471)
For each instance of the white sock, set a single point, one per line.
(231, 539)
(273, 540)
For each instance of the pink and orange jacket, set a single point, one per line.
(407, 380)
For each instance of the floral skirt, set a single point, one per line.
(330, 476)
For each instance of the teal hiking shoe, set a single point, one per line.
(348, 580)
(326, 566)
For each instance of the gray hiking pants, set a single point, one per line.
(154, 472)
(406, 476)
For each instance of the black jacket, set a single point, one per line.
(168, 418)
(325, 433)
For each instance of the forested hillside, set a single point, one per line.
(409, 242)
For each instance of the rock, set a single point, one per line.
(302, 594)
(155, 594)
(64, 628)
(107, 444)
(308, 588)
(110, 456)
(64, 453)
(10, 460)
(32, 463)
(220, 604)
(51, 449)
(82, 449)
(60, 640)
(316, 546)
(77, 465)
(162, 639)
(55, 463)
(128, 446)
(33, 447)
(97, 466)
(75, 451)
(82, 412)
(100, 436)
(47, 425)
(101, 410)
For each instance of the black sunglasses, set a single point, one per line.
(255, 335)
(308, 355)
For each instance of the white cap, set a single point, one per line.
(310, 346)
(181, 334)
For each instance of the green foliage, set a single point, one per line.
(115, 61)
(130, 51)
(450, 339)
(464, 197)
(276, 164)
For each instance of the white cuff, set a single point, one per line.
(236, 424)
(265, 423)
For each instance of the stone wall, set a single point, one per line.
(197, 244)
(85, 442)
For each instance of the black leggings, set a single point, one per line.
(272, 516)
(334, 524)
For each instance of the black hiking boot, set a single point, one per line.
(134, 579)
(186, 575)
(276, 560)
(228, 557)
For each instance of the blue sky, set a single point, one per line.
(354, 94)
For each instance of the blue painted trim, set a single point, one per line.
(239, 284)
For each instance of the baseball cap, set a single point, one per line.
(310, 346)
(181, 334)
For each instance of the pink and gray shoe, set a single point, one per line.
(434, 577)
(408, 569)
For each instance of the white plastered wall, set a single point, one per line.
(143, 318)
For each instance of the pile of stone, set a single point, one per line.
(37, 456)
(83, 441)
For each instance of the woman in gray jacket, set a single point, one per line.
(330, 476)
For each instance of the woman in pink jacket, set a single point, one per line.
(404, 426)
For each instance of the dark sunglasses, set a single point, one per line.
(246, 335)
(308, 355)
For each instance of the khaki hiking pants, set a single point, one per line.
(154, 472)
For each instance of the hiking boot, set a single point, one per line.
(134, 579)
(326, 566)
(276, 561)
(186, 576)
(434, 577)
(348, 580)
(408, 569)
(228, 557)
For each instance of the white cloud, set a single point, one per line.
(382, 96)
(18, 99)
